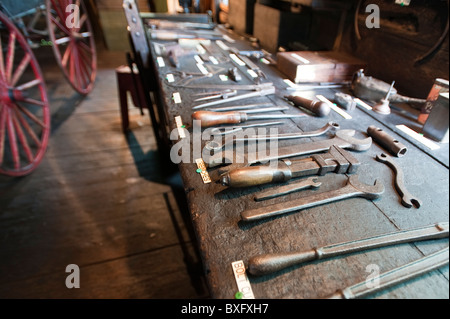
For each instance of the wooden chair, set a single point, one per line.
(140, 79)
(128, 81)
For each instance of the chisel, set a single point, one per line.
(209, 118)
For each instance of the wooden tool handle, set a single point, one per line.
(319, 108)
(209, 118)
(269, 263)
(256, 175)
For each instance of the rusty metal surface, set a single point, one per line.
(224, 238)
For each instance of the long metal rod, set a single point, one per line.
(395, 276)
(264, 92)
(239, 107)
(235, 129)
(268, 263)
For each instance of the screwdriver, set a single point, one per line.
(210, 118)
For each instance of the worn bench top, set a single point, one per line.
(224, 238)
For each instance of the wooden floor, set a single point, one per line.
(99, 200)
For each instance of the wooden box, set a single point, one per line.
(318, 66)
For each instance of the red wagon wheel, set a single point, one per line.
(73, 42)
(24, 107)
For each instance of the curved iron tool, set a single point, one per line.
(354, 188)
(408, 200)
(329, 127)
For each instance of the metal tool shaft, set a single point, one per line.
(329, 127)
(209, 118)
(396, 276)
(343, 139)
(235, 129)
(288, 189)
(353, 189)
(336, 161)
(263, 92)
(239, 107)
(268, 263)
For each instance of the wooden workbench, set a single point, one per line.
(223, 238)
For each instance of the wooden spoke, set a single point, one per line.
(29, 85)
(60, 26)
(31, 116)
(27, 128)
(3, 118)
(79, 68)
(10, 56)
(13, 141)
(20, 69)
(22, 138)
(24, 109)
(66, 55)
(2, 63)
(62, 40)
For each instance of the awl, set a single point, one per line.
(209, 118)
(336, 161)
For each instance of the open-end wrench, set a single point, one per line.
(268, 263)
(354, 188)
(408, 200)
(310, 182)
(343, 139)
(329, 127)
(395, 276)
